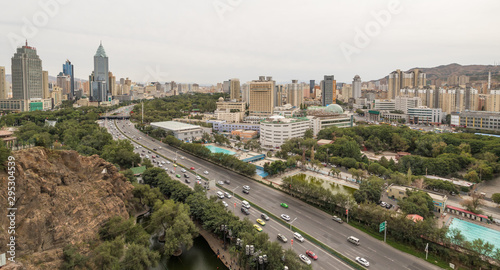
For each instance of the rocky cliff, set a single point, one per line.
(61, 198)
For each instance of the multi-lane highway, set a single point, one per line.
(308, 219)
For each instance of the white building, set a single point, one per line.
(182, 131)
(425, 115)
(381, 104)
(277, 129)
(404, 103)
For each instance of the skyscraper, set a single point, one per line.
(69, 70)
(45, 84)
(99, 80)
(329, 90)
(312, 83)
(295, 94)
(262, 93)
(26, 74)
(64, 81)
(3, 84)
(356, 87)
(234, 89)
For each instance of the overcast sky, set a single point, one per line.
(206, 41)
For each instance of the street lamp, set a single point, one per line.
(176, 155)
(235, 189)
(291, 223)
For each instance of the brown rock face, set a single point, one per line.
(61, 198)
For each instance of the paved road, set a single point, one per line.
(309, 219)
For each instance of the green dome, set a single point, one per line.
(334, 108)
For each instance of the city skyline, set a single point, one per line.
(216, 40)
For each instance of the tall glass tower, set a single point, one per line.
(69, 70)
(99, 80)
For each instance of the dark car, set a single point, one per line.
(227, 182)
(154, 149)
(187, 180)
(388, 206)
(186, 176)
(246, 191)
(264, 216)
(245, 211)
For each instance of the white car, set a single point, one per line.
(299, 237)
(228, 195)
(305, 259)
(198, 177)
(182, 157)
(163, 162)
(168, 162)
(285, 217)
(246, 187)
(362, 261)
(220, 183)
(183, 170)
(205, 172)
(225, 204)
(160, 165)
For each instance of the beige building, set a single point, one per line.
(399, 79)
(57, 95)
(295, 94)
(477, 120)
(112, 84)
(3, 84)
(45, 82)
(493, 101)
(64, 81)
(262, 97)
(234, 88)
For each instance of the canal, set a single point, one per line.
(199, 257)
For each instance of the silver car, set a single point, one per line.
(362, 261)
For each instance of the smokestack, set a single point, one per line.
(262, 78)
(269, 78)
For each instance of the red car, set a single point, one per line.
(192, 168)
(312, 255)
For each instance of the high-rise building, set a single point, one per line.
(45, 82)
(356, 87)
(26, 74)
(312, 83)
(99, 80)
(399, 80)
(278, 95)
(245, 93)
(69, 70)
(64, 81)
(3, 84)
(234, 89)
(262, 94)
(112, 84)
(295, 94)
(329, 91)
(394, 84)
(226, 86)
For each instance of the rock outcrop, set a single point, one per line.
(61, 198)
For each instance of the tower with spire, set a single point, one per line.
(99, 79)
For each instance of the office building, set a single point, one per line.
(356, 87)
(234, 88)
(245, 93)
(27, 77)
(425, 115)
(330, 116)
(99, 80)
(312, 83)
(404, 103)
(275, 130)
(230, 111)
(493, 101)
(278, 95)
(226, 86)
(384, 104)
(295, 94)
(262, 95)
(69, 70)
(476, 120)
(328, 90)
(112, 84)
(3, 84)
(64, 81)
(45, 84)
(182, 131)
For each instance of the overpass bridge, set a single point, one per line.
(121, 117)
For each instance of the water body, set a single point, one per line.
(199, 257)
(332, 186)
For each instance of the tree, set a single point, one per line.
(151, 176)
(73, 259)
(417, 202)
(205, 137)
(4, 155)
(139, 257)
(108, 254)
(369, 190)
(473, 203)
(398, 143)
(472, 176)
(172, 220)
(496, 198)
(146, 162)
(129, 174)
(309, 134)
(121, 152)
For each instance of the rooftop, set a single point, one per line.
(173, 125)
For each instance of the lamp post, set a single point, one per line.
(235, 189)
(176, 155)
(291, 223)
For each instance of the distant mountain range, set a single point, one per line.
(475, 72)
